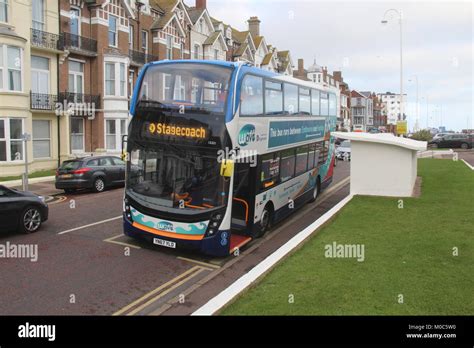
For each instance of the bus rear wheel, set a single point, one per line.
(265, 221)
(316, 190)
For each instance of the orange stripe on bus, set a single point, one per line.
(168, 234)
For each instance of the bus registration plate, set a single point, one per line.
(164, 243)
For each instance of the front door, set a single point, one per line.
(243, 197)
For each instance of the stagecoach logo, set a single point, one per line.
(164, 226)
(247, 135)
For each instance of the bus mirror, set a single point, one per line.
(227, 168)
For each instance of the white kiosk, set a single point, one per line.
(382, 164)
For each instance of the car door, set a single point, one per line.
(445, 141)
(121, 167)
(112, 173)
(10, 209)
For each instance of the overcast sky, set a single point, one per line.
(348, 36)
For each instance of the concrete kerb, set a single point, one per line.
(223, 298)
(12, 183)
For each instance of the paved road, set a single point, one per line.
(87, 266)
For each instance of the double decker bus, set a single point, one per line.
(218, 152)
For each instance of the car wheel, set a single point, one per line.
(265, 221)
(464, 146)
(99, 185)
(30, 220)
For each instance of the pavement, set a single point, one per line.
(86, 266)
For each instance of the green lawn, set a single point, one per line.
(408, 251)
(37, 174)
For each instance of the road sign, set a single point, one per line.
(402, 127)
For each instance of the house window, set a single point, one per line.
(3, 10)
(145, 41)
(169, 47)
(122, 80)
(38, 14)
(130, 37)
(131, 75)
(11, 142)
(115, 79)
(109, 79)
(182, 50)
(115, 129)
(216, 54)
(41, 139)
(196, 51)
(112, 31)
(75, 23)
(76, 79)
(10, 68)
(77, 134)
(39, 75)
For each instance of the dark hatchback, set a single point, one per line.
(21, 211)
(455, 141)
(95, 172)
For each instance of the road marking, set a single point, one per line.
(158, 289)
(219, 301)
(60, 199)
(90, 225)
(467, 164)
(112, 240)
(167, 291)
(199, 262)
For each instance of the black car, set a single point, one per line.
(94, 172)
(21, 211)
(463, 141)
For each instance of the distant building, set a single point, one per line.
(361, 110)
(392, 106)
(344, 118)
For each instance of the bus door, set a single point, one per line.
(243, 198)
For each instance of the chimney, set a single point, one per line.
(201, 4)
(337, 76)
(300, 66)
(254, 26)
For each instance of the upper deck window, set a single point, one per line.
(194, 86)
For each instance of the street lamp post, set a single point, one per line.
(385, 21)
(417, 124)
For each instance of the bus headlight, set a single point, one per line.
(214, 224)
(127, 210)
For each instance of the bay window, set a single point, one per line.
(11, 142)
(10, 68)
(115, 129)
(115, 79)
(4, 11)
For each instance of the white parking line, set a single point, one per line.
(89, 225)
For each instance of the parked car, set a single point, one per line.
(21, 210)
(463, 141)
(343, 151)
(95, 172)
(440, 135)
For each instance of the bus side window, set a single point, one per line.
(287, 165)
(251, 96)
(270, 170)
(311, 156)
(301, 159)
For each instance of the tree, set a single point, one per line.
(423, 135)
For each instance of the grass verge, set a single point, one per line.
(408, 252)
(37, 174)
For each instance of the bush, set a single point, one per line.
(423, 135)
